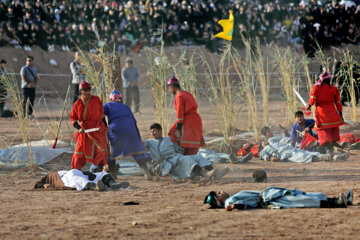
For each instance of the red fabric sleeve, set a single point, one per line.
(74, 114)
(180, 109)
(313, 96)
(337, 99)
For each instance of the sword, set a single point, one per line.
(307, 112)
(299, 97)
(92, 130)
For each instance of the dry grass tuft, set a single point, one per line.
(15, 101)
(287, 63)
(224, 94)
(160, 69)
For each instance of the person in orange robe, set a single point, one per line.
(187, 130)
(247, 148)
(328, 113)
(87, 113)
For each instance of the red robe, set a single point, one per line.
(186, 114)
(327, 101)
(254, 148)
(90, 147)
(349, 137)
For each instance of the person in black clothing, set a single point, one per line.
(28, 84)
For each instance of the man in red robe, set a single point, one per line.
(88, 113)
(187, 130)
(328, 113)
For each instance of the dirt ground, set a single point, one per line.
(174, 209)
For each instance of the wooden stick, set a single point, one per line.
(62, 114)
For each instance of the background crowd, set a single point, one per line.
(131, 25)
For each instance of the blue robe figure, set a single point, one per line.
(123, 133)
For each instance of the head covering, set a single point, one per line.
(173, 81)
(317, 25)
(260, 175)
(84, 85)
(322, 77)
(115, 96)
(212, 200)
(129, 60)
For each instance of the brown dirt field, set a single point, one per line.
(171, 209)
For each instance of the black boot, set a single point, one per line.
(145, 169)
(349, 197)
(112, 168)
(336, 144)
(328, 148)
(321, 149)
(107, 179)
(339, 202)
(95, 169)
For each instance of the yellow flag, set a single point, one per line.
(228, 26)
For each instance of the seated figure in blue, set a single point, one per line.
(124, 134)
(169, 159)
(276, 197)
(301, 127)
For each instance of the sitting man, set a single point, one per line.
(278, 198)
(76, 179)
(279, 148)
(169, 159)
(301, 127)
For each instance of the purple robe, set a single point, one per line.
(123, 136)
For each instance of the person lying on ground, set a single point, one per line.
(349, 140)
(346, 139)
(279, 148)
(76, 179)
(301, 126)
(216, 157)
(169, 159)
(276, 198)
(257, 147)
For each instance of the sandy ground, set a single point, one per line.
(174, 209)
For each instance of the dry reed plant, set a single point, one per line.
(15, 101)
(48, 130)
(309, 80)
(346, 73)
(263, 79)
(245, 71)
(159, 71)
(92, 70)
(322, 59)
(223, 94)
(287, 63)
(99, 68)
(4, 142)
(185, 70)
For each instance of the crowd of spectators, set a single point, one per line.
(131, 25)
